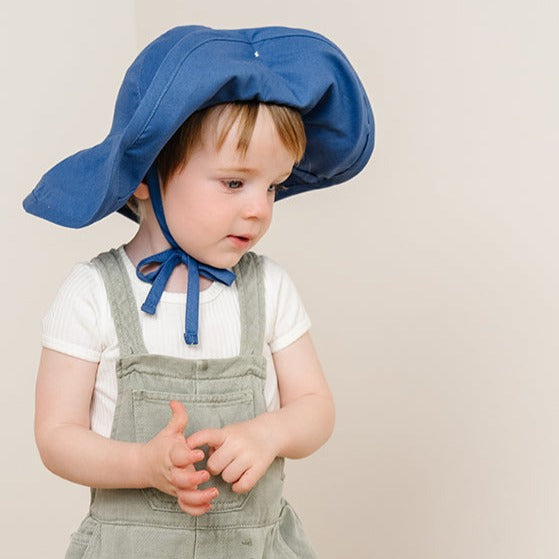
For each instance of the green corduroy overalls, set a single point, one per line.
(148, 524)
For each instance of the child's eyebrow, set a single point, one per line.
(236, 169)
(240, 169)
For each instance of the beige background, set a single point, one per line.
(431, 278)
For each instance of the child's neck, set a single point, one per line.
(145, 244)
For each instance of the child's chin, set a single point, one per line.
(226, 261)
(232, 261)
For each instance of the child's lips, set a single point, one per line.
(240, 240)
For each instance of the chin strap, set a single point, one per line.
(168, 260)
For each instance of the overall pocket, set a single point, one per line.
(85, 541)
(289, 539)
(213, 411)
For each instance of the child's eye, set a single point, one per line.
(233, 184)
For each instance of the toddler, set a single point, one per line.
(177, 370)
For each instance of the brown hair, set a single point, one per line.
(174, 154)
(288, 122)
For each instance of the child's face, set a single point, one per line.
(219, 204)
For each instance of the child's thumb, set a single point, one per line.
(179, 419)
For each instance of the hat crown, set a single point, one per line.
(241, 48)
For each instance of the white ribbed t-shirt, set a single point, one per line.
(79, 323)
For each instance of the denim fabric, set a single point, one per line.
(148, 524)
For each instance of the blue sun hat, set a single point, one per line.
(191, 68)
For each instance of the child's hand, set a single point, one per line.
(240, 452)
(170, 465)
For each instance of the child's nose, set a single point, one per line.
(258, 205)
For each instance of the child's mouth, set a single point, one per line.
(239, 240)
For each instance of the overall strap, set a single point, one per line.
(122, 302)
(250, 285)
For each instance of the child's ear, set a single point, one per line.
(142, 192)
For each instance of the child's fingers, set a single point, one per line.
(188, 478)
(233, 471)
(181, 455)
(224, 458)
(179, 419)
(196, 511)
(247, 481)
(211, 437)
(196, 502)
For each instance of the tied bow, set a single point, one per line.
(168, 260)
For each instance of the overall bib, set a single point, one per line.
(148, 524)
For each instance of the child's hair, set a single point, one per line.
(175, 152)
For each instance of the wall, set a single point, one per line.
(431, 278)
(62, 62)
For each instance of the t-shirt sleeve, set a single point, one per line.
(72, 324)
(286, 317)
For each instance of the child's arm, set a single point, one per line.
(244, 451)
(71, 450)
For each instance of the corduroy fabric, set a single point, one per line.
(148, 524)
